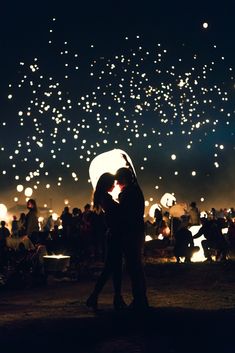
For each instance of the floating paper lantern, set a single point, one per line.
(28, 192)
(107, 162)
(167, 200)
(19, 188)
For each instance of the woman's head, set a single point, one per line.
(124, 177)
(31, 204)
(105, 184)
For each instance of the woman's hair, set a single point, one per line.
(33, 203)
(103, 185)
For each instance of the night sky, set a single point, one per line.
(155, 79)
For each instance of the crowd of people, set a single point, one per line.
(216, 226)
(112, 232)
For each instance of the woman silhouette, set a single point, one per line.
(103, 201)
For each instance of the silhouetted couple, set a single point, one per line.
(125, 238)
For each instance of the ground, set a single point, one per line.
(192, 310)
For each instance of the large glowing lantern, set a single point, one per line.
(167, 200)
(107, 162)
(3, 211)
(28, 192)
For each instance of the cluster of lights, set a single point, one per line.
(139, 97)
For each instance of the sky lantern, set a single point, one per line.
(19, 188)
(28, 192)
(107, 162)
(167, 200)
(3, 211)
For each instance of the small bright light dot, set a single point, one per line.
(205, 25)
(173, 157)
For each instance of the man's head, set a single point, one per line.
(124, 177)
(87, 207)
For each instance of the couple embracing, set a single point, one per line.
(125, 240)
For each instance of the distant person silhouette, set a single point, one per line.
(66, 218)
(31, 219)
(194, 214)
(214, 240)
(184, 245)
(158, 219)
(114, 256)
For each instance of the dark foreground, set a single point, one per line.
(192, 310)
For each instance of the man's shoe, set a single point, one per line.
(139, 306)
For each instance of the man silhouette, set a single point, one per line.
(131, 202)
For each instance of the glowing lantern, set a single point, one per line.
(19, 188)
(148, 238)
(107, 162)
(3, 211)
(56, 263)
(198, 256)
(55, 216)
(28, 192)
(153, 208)
(40, 219)
(167, 200)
